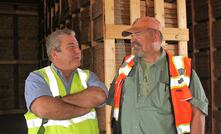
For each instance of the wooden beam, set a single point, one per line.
(175, 34)
(108, 119)
(109, 54)
(159, 11)
(134, 10)
(12, 111)
(114, 31)
(18, 62)
(109, 11)
(109, 71)
(213, 78)
(19, 12)
(182, 23)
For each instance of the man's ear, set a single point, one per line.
(53, 54)
(157, 37)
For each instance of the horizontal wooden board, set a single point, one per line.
(217, 92)
(201, 10)
(202, 61)
(28, 49)
(6, 71)
(6, 26)
(217, 63)
(74, 5)
(85, 34)
(97, 9)
(28, 27)
(217, 118)
(201, 35)
(216, 28)
(23, 72)
(84, 3)
(189, 11)
(216, 8)
(98, 28)
(6, 49)
(98, 60)
(172, 48)
(207, 89)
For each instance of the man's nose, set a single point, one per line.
(133, 38)
(77, 50)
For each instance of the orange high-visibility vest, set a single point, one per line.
(180, 71)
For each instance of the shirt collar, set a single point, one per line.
(159, 63)
(59, 71)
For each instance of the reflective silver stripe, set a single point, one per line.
(178, 62)
(116, 113)
(91, 115)
(184, 128)
(130, 58)
(52, 81)
(126, 70)
(83, 77)
(174, 81)
(65, 123)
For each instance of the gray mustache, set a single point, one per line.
(135, 45)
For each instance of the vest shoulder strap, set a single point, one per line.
(52, 81)
(83, 76)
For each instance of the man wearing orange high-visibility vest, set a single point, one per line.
(155, 92)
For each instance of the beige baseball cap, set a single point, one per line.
(141, 24)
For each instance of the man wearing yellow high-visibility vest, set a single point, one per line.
(61, 98)
(155, 92)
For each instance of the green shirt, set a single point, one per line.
(146, 108)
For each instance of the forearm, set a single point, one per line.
(88, 98)
(56, 109)
(198, 122)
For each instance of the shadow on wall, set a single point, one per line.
(13, 124)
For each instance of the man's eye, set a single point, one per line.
(70, 46)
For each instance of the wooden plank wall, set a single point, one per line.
(205, 49)
(19, 53)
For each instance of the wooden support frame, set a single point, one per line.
(109, 56)
(159, 11)
(181, 34)
(212, 68)
(134, 7)
(182, 23)
(211, 52)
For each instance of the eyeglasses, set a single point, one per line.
(41, 130)
(144, 31)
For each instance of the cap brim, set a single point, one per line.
(131, 30)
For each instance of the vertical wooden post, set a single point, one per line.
(52, 15)
(109, 44)
(159, 11)
(182, 23)
(212, 66)
(92, 22)
(109, 56)
(134, 10)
